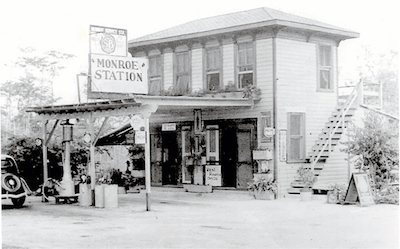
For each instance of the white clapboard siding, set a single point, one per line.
(197, 69)
(168, 70)
(297, 92)
(228, 69)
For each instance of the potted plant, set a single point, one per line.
(337, 193)
(252, 92)
(106, 190)
(263, 189)
(307, 177)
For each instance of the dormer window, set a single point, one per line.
(245, 63)
(325, 79)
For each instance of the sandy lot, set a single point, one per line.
(222, 219)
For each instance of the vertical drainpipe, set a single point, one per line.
(275, 31)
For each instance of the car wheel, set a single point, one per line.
(10, 182)
(18, 202)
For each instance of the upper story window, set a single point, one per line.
(155, 74)
(325, 81)
(245, 64)
(213, 68)
(182, 73)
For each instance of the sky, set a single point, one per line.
(64, 25)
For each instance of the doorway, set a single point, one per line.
(170, 154)
(229, 151)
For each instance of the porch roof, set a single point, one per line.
(137, 104)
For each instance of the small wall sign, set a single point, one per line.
(168, 127)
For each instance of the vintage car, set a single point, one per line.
(13, 186)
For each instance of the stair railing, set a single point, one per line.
(340, 119)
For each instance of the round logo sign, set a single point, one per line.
(108, 43)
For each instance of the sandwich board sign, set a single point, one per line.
(359, 189)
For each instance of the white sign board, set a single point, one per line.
(137, 122)
(213, 175)
(116, 74)
(168, 127)
(108, 41)
(140, 137)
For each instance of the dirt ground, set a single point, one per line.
(222, 219)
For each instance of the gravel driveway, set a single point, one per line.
(223, 219)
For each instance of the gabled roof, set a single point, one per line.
(255, 18)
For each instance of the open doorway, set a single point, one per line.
(170, 154)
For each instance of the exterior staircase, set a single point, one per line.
(324, 158)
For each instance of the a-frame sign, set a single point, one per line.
(359, 189)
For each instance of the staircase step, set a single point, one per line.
(323, 155)
(294, 190)
(320, 142)
(325, 136)
(335, 119)
(327, 131)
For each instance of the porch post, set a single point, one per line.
(92, 170)
(44, 151)
(147, 160)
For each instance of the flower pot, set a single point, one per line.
(264, 195)
(121, 190)
(197, 188)
(305, 194)
(99, 196)
(332, 197)
(111, 196)
(85, 195)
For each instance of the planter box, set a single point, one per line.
(85, 195)
(306, 194)
(267, 177)
(197, 188)
(121, 190)
(264, 195)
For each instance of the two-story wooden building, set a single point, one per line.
(232, 91)
(195, 70)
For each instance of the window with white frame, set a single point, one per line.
(155, 74)
(296, 137)
(325, 81)
(245, 61)
(213, 68)
(182, 78)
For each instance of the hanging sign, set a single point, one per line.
(282, 145)
(137, 122)
(117, 74)
(359, 189)
(110, 41)
(140, 137)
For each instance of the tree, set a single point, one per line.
(374, 148)
(34, 87)
(382, 68)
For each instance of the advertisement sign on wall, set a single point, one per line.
(213, 175)
(117, 74)
(108, 41)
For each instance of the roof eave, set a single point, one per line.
(339, 33)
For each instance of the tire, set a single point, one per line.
(10, 182)
(19, 201)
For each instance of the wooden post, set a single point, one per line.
(147, 160)
(92, 169)
(44, 151)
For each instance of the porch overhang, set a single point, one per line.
(138, 104)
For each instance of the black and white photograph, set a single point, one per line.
(200, 124)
